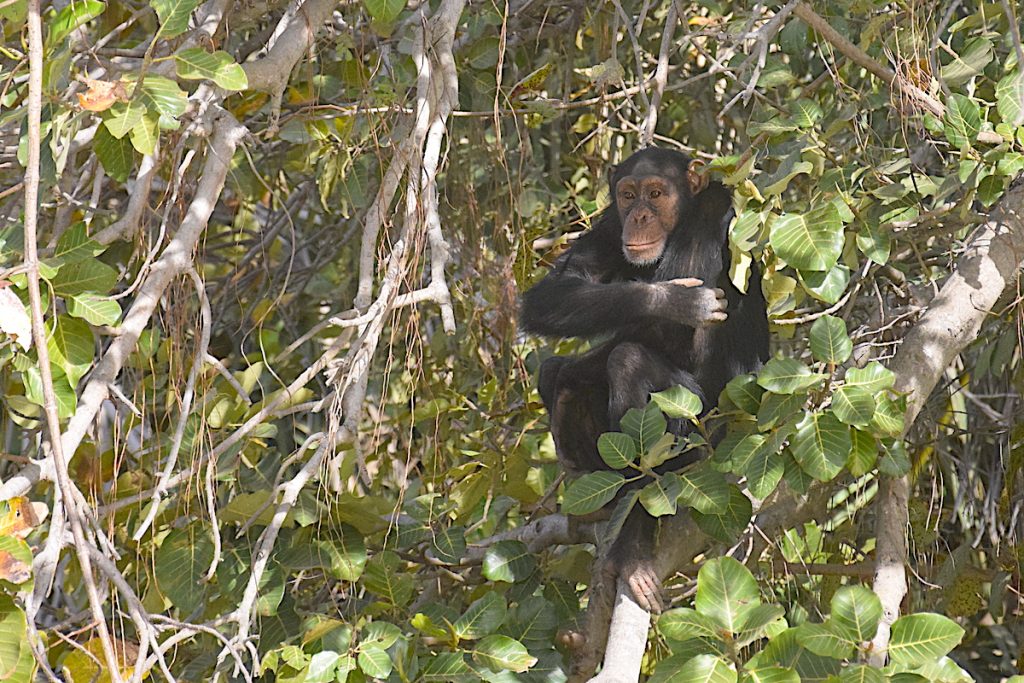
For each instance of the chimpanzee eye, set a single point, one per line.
(655, 194)
(628, 195)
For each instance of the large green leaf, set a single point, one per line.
(678, 402)
(726, 523)
(763, 471)
(96, 309)
(659, 497)
(124, 116)
(922, 638)
(704, 489)
(71, 17)
(821, 445)
(973, 58)
(482, 618)
(685, 623)
(1010, 97)
(384, 11)
(174, 15)
(617, 450)
(501, 653)
(164, 96)
(71, 347)
(590, 492)
(87, 275)
(726, 591)
(509, 561)
(873, 377)
(962, 120)
(645, 425)
(830, 343)
(853, 405)
(856, 612)
(787, 376)
(13, 637)
(117, 156)
(809, 241)
(823, 641)
(219, 67)
(180, 564)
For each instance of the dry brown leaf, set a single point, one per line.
(101, 95)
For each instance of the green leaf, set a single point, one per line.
(1010, 97)
(219, 67)
(758, 617)
(180, 564)
(763, 472)
(75, 245)
(853, 405)
(856, 612)
(686, 624)
(509, 561)
(830, 342)
(384, 11)
(821, 445)
(117, 156)
(875, 242)
(96, 309)
(374, 662)
(973, 58)
(646, 426)
(787, 376)
(874, 377)
(726, 592)
(71, 347)
(810, 241)
(124, 116)
(73, 16)
(777, 409)
(922, 638)
(659, 497)
(501, 653)
(678, 402)
(13, 635)
(618, 450)
(828, 286)
(482, 618)
(727, 523)
(449, 545)
(704, 489)
(862, 673)
(700, 669)
(805, 112)
(321, 667)
(89, 275)
(164, 96)
(821, 640)
(770, 674)
(64, 393)
(744, 392)
(146, 133)
(174, 15)
(888, 417)
(962, 120)
(385, 577)
(863, 453)
(590, 492)
(380, 634)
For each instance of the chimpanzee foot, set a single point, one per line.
(644, 584)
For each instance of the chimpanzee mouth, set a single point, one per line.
(642, 245)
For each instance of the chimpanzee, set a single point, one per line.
(653, 275)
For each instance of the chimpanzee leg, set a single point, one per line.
(634, 371)
(575, 392)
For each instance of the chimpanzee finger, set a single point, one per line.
(687, 282)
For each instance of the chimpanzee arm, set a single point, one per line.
(572, 300)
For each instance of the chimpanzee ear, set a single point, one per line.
(696, 180)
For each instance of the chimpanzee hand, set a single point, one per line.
(687, 301)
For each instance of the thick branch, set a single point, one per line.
(989, 265)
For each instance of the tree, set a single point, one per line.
(266, 413)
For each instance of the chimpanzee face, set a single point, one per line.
(651, 190)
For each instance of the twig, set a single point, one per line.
(205, 325)
(56, 457)
(660, 77)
